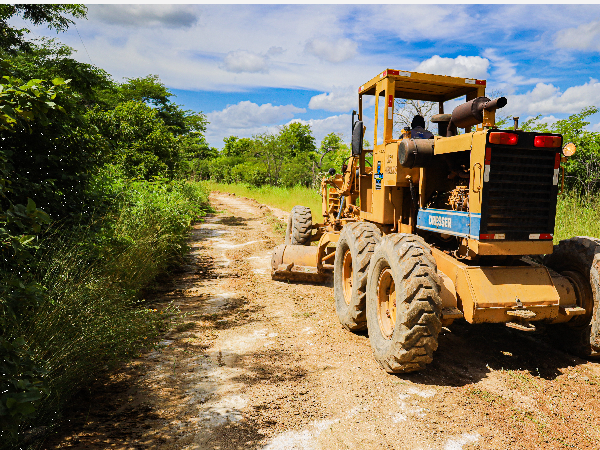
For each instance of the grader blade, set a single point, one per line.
(297, 263)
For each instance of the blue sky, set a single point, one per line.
(253, 68)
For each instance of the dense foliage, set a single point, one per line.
(92, 208)
(286, 159)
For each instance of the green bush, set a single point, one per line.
(89, 315)
(221, 168)
(249, 172)
(295, 173)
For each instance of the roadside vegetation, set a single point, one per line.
(95, 202)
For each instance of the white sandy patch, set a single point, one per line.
(407, 410)
(227, 245)
(425, 393)
(211, 231)
(459, 442)
(399, 417)
(217, 303)
(211, 220)
(245, 343)
(356, 410)
(300, 440)
(227, 409)
(223, 261)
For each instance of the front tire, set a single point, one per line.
(403, 303)
(299, 226)
(352, 256)
(578, 259)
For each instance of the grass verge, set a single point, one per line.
(577, 217)
(91, 315)
(278, 197)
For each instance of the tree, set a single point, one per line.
(298, 139)
(56, 17)
(406, 110)
(48, 159)
(152, 91)
(141, 144)
(49, 59)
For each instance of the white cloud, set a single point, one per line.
(244, 61)
(334, 124)
(504, 73)
(548, 99)
(583, 37)
(170, 16)
(413, 22)
(339, 100)
(461, 66)
(274, 51)
(246, 114)
(332, 51)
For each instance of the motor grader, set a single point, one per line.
(420, 232)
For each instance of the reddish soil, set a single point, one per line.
(262, 364)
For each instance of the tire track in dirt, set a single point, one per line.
(263, 364)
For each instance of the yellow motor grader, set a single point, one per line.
(421, 232)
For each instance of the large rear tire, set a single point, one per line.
(352, 255)
(578, 259)
(403, 303)
(299, 226)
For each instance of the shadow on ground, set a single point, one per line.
(467, 353)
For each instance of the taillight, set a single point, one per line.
(542, 236)
(492, 236)
(488, 156)
(547, 141)
(504, 138)
(557, 161)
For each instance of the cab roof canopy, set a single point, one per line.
(423, 86)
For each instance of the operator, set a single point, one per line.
(418, 130)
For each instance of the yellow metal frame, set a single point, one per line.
(477, 293)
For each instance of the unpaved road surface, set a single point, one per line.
(263, 364)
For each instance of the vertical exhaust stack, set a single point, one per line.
(476, 111)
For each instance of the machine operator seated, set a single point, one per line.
(418, 130)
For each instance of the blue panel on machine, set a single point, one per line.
(456, 223)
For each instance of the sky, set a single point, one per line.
(253, 68)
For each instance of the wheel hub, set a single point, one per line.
(386, 303)
(347, 276)
(583, 293)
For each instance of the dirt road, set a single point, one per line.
(262, 364)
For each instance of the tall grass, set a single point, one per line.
(574, 216)
(93, 316)
(278, 197)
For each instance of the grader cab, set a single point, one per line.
(420, 232)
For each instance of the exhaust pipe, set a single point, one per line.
(471, 113)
